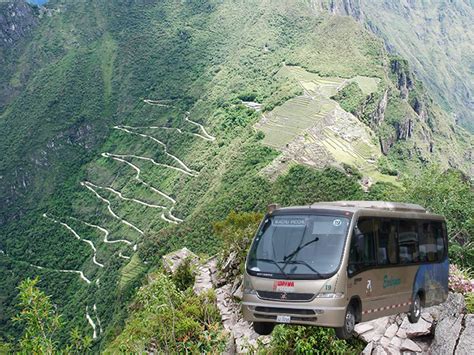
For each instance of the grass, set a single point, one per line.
(368, 85)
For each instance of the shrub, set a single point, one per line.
(459, 280)
(310, 340)
(450, 194)
(236, 232)
(172, 320)
(469, 298)
(184, 276)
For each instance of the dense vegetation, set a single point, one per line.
(87, 74)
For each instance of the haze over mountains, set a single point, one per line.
(128, 128)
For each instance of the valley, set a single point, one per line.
(129, 132)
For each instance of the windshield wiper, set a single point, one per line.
(296, 251)
(274, 263)
(305, 264)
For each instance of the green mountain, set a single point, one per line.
(434, 36)
(128, 127)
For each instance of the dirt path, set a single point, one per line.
(151, 160)
(94, 257)
(175, 158)
(171, 219)
(89, 186)
(106, 233)
(80, 273)
(206, 135)
(91, 322)
(155, 103)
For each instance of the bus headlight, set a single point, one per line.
(330, 295)
(249, 291)
(248, 288)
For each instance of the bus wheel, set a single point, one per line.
(415, 309)
(263, 328)
(345, 332)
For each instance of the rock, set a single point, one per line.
(427, 317)
(362, 328)
(203, 281)
(396, 342)
(410, 345)
(172, 260)
(449, 325)
(466, 341)
(229, 262)
(384, 341)
(391, 331)
(368, 349)
(239, 293)
(401, 333)
(371, 335)
(379, 350)
(413, 330)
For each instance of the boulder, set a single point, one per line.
(368, 349)
(372, 330)
(414, 330)
(391, 331)
(410, 345)
(449, 325)
(173, 260)
(361, 328)
(401, 333)
(379, 350)
(466, 341)
(396, 342)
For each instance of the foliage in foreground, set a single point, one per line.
(310, 340)
(171, 320)
(41, 324)
(237, 232)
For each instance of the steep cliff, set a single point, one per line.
(436, 37)
(17, 20)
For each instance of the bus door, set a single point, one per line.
(361, 266)
(393, 280)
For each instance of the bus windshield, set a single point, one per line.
(298, 246)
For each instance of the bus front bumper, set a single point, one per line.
(308, 313)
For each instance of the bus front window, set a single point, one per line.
(298, 246)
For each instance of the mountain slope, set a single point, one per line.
(434, 36)
(131, 137)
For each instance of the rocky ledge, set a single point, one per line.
(443, 329)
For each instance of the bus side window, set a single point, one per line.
(408, 241)
(428, 247)
(362, 251)
(439, 236)
(387, 242)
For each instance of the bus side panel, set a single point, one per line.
(433, 280)
(390, 291)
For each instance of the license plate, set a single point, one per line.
(283, 319)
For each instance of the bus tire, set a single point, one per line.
(263, 328)
(415, 309)
(345, 332)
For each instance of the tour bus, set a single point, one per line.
(335, 264)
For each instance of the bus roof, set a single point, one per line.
(355, 206)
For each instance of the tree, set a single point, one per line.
(41, 323)
(450, 194)
(39, 318)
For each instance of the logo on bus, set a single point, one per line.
(390, 282)
(283, 286)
